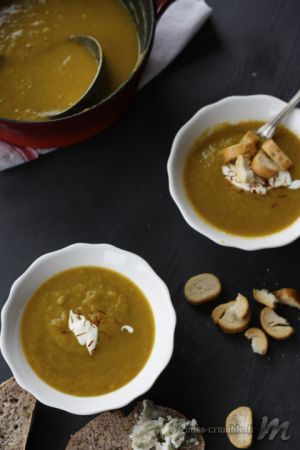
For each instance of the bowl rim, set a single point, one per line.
(274, 240)
(46, 399)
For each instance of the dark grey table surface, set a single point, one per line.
(114, 189)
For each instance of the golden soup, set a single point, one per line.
(107, 299)
(41, 71)
(228, 208)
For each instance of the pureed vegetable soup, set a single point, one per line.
(42, 71)
(231, 209)
(108, 300)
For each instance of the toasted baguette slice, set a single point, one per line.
(233, 317)
(244, 173)
(274, 325)
(218, 312)
(17, 407)
(232, 152)
(263, 166)
(250, 136)
(276, 154)
(230, 324)
(265, 297)
(111, 430)
(240, 307)
(202, 288)
(288, 296)
(259, 340)
(239, 427)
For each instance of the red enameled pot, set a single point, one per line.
(78, 127)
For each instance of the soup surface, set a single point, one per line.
(41, 71)
(228, 208)
(107, 299)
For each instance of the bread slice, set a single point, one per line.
(240, 307)
(233, 151)
(276, 154)
(233, 317)
(108, 430)
(111, 430)
(230, 324)
(17, 407)
(265, 297)
(218, 312)
(288, 296)
(263, 166)
(202, 288)
(250, 136)
(259, 340)
(244, 173)
(161, 411)
(274, 325)
(239, 427)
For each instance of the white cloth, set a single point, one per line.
(176, 27)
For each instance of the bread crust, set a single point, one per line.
(263, 166)
(241, 306)
(276, 154)
(265, 297)
(239, 326)
(241, 419)
(274, 325)
(202, 288)
(259, 340)
(233, 317)
(250, 136)
(288, 296)
(218, 312)
(233, 151)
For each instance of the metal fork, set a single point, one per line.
(268, 129)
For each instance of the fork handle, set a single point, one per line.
(267, 131)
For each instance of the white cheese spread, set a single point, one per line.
(259, 185)
(155, 431)
(295, 185)
(85, 332)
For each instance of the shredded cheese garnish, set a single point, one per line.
(260, 185)
(127, 328)
(85, 332)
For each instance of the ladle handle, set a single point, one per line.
(161, 6)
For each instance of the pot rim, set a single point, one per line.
(142, 56)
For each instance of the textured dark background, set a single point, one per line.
(114, 189)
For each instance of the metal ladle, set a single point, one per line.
(94, 90)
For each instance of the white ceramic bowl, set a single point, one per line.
(230, 109)
(128, 264)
